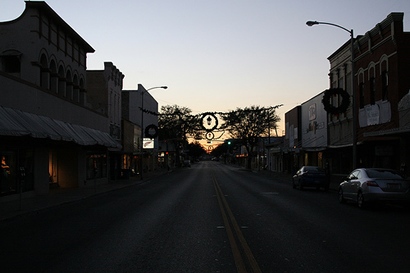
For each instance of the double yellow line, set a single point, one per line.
(244, 259)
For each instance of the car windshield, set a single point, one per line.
(314, 169)
(387, 174)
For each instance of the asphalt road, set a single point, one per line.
(208, 218)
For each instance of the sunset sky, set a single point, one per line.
(217, 55)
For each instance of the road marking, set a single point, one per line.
(235, 235)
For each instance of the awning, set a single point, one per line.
(18, 123)
(389, 132)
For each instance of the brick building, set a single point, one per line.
(382, 64)
(381, 90)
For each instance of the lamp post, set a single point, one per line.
(354, 114)
(142, 89)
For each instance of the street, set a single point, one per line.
(210, 217)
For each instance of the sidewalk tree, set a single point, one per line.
(249, 124)
(195, 150)
(175, 123)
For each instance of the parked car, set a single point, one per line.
(310, 176)
(365, 185)
(187, 163)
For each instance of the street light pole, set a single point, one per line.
(354, 112)
(143, 91)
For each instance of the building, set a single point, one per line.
(306, 135)
(313, 131)
(381, 92)
(273, 146)
(382, 65)
(104, 96)
(382, 70)
(139, 112)
(292, 143)
(49, 137)
(340, 125)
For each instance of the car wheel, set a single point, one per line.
(341, 198)
(360, 200)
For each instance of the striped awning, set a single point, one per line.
(18, 123)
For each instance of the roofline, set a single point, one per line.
(43, 6)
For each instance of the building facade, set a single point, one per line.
(340, 125)
(382, 64)
(104, 96)
(314, 131)
(48, 135)
(381, 67)
(293, 140)
(139, 112)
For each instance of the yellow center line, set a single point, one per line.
(230, 223)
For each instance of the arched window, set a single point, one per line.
(361, 88)
(372, 83)
(384, 68)
(62, 91)
(69, 85)
(76, 89)
(53, 77)
(44, 72)
(82, 92)
(385, 85)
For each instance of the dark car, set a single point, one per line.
(365, 185)
(187, 163)
(310, 176)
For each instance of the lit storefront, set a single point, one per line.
(38, 153)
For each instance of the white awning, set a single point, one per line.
(18, 123)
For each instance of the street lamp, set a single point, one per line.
(142, 89)
(354, 114)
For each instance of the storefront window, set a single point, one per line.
(7, 175)
(96, 166)
(12, 165)
(52, 168)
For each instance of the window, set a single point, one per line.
(372, 90)
(372, 83)
(361, 174)
(354, 175)
(45, 72)
(361, 94)
(53, 77)
(12, 164)
(385, 85)
(69, 85)
(384, 68)
(11, 64)
(52, 168)
(96, 165)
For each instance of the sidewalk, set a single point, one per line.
(12, 206)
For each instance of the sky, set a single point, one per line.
(219, 55)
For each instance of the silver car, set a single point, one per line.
(373, 184)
